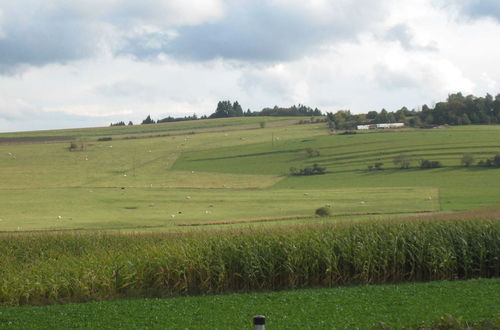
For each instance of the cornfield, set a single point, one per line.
(45, 268)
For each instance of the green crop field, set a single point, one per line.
(182, 208)
(363, 307)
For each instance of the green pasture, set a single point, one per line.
(174, 128)
(361, 307)
(242, 169)
(136, 208)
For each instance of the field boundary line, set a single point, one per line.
(294, 217)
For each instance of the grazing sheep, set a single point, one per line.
(306, 194)
(362, 202)
(188, 197)
(429, 198)
(59, 217)
(172, 215)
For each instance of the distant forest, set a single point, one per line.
(456, 110)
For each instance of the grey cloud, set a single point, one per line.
(40, 32)
(41, 36)
(482, 8)
(263, 31)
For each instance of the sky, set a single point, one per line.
(87, 63)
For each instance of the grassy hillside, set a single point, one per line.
(237, 172)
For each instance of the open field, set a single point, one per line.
(361, 307)
(151, 130)
(136, 208)
(237, 173)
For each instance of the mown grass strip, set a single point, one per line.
(45, 268)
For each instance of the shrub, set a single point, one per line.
(323, 211)
(77, 146)
(490, 162)
(467, 159)
(312, 152)
(403, 160)
(314, 170)
(106, 138)
(262, 124)
(376, 167)
(425, 164)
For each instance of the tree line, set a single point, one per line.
(226, 109)
(456, 110)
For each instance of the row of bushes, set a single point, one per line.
(314, 170)
(404, 160)
(52, 268)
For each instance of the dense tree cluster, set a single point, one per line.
(226, 109)
(170, 119)
(148, 120)
(456, 110)
(120, 123)
(293, 111)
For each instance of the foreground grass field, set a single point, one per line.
(361, 307)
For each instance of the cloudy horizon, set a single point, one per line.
(93, 62)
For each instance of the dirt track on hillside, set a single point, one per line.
(34, 139)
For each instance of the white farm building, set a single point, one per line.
(384, 125)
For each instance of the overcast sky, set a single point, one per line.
(92, 62)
